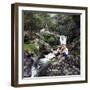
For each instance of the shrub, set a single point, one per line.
(31, 47)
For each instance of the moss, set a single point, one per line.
(31, 48)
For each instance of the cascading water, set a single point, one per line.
(44, 62)
(33, 71)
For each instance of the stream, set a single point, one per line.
(34, 66)
(41, 64)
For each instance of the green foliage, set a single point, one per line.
(61, 24)
(51, 39)
(32, 48)
(36, 21)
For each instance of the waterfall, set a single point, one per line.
(44, 62)
(63, 39)
(33, 71)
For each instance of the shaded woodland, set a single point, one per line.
(41, 34)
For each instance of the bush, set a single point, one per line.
(31, 47)
(51, 39)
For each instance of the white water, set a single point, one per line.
(33, 71)
(44, 61)
(63, 39)
(47, 58)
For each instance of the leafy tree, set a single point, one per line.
(36, 20)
